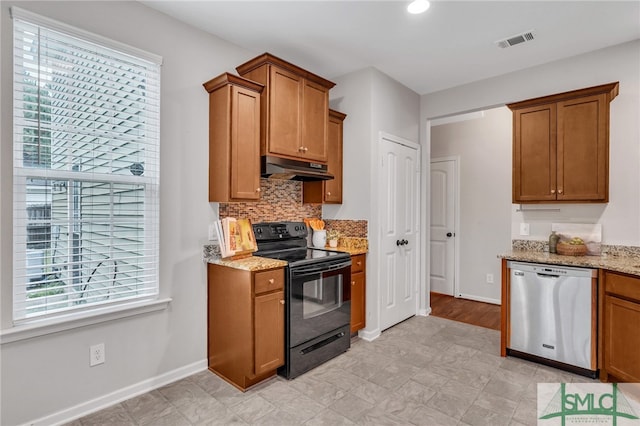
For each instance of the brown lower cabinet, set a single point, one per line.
(245, 324)
(620, 327)
(358, 292)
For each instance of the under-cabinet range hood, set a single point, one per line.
(284, 168)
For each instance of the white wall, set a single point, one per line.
(50, 374)
(373, 103)
(483, 146)
(620, 218)
(353, 96)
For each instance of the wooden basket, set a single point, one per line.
(571, 249)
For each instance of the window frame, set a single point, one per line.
(90, 313)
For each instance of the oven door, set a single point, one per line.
(317, 303)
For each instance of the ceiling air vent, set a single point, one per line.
(515, 39)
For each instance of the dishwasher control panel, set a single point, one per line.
(557, 270)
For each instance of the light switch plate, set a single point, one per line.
(524, 229)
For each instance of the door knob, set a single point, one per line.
(449, 234)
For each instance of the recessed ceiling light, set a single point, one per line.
(418, 6)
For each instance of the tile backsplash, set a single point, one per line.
(282, 200)
(349, 228)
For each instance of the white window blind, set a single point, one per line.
(86, 170)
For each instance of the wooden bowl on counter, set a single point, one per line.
(571, 249)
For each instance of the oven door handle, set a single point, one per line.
(319, 268)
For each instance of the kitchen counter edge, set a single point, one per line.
(627, 265)
(251, 263)
(353, 251)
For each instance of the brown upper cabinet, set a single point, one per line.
(295, 109)
(234, 138)
(329, 191)
(561, 147)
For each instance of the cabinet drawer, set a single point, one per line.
(622, 285)
(357, 263)
(269, 281)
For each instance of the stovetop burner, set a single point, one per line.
(288, 241)
(300, 255)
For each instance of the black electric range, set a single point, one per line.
(317, 296)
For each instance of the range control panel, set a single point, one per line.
(267, 231)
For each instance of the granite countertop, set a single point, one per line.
(351, 245)
(251, 263)
(628, 264)
(211, 254)
(352, 251)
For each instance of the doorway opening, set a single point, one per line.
(482, 314)
(482, 144)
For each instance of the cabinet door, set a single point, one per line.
(284, 121)
(329, 191)
(245, 145)
(358, 292)
(357, 302)
(582, 149)
(269, 332)
(621, 339)
(333, 188)
(315, 118)
(534, 154)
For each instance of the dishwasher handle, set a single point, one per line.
(540, 274)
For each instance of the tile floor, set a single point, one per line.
(424, 371)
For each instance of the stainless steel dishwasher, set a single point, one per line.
(551, 317)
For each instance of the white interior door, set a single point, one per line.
(443, 214)
(399, 208)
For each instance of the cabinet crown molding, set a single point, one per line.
(268, 58)
(611, 89)
(227, 78)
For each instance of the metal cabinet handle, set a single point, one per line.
(559, 191)
(402, 242)
(553, 191)
(329, 193)
(282, 301)
(258, 189)
(449, 234)
(359, 263)
(353, 283)
(271, 280)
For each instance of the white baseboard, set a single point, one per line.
(369, 336)
(424, 312)
(97, 404)
(481, 299)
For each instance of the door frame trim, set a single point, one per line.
(420, 285)
(456, 220)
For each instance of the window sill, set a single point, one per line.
(76, 320)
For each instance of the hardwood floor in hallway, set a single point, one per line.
(463, 310)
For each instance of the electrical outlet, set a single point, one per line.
(96, 354)
(524, 229)
(213, 236)
(489, 278)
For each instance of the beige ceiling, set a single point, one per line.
(450, 45)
